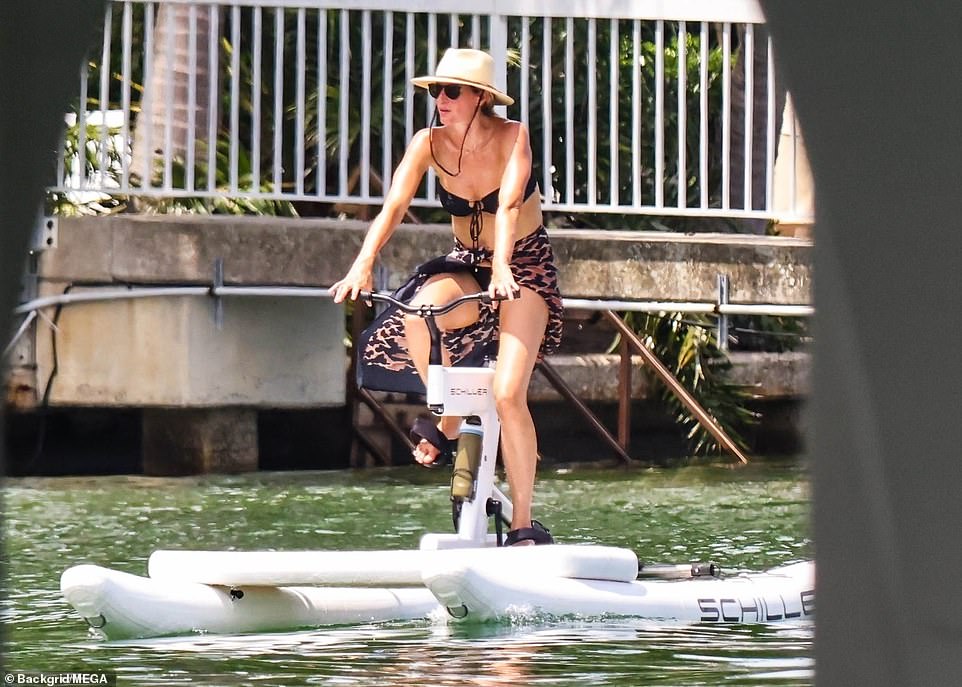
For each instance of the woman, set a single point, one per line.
(500, 246)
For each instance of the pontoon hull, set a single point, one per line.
(483, 593)
(123, 606)
(241, 592)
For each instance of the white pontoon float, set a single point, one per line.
(466, 575)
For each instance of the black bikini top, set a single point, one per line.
(460, 207)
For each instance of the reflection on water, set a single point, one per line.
(743, 519)
(419, 654)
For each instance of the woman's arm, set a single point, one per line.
(404, 184)
(510, 199)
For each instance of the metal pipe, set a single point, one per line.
(169, 291)
(705, 419)
(323, 292)
(638, 306)
(109, 295)
(763, 309)
(704, 308)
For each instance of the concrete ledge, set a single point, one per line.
(773, 375)
(317, 252)
(594, 377)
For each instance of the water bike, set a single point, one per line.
(465, 575)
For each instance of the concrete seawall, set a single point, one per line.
(316, 252)
(168, 356)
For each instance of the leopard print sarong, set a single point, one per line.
(383, 361)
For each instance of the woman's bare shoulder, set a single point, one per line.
(510, 131)
(419, 146)
(420, 138)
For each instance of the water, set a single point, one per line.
(744, 519)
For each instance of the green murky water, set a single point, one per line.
(745, 519)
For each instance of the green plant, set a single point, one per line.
(97, 153)
(223, 203)
(689, 350)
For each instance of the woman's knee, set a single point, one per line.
(509, 399)
(444, 288)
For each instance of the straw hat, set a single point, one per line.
(468, 68)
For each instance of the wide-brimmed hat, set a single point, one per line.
(468, 68)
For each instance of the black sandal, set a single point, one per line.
(537, 533)
(427, 430)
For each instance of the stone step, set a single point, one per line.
(594, 376)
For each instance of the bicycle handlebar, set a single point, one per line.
(426, 309)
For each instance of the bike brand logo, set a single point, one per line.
(458, 391)
(761, 609)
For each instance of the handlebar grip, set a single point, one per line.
(488, 300)
(364, 295)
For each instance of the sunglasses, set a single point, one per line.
(453, 91)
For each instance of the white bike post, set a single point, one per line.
(465, 392)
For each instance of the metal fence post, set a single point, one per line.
(498, 39)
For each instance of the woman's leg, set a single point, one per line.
(438, 289)
(523, 323)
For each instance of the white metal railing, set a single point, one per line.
(635, 102)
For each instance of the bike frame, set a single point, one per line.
(465, 392)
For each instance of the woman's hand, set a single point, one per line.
(502, 283)
(358, 279)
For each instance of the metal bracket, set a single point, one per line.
(723, 285)
(218, 300)
(45, 234)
